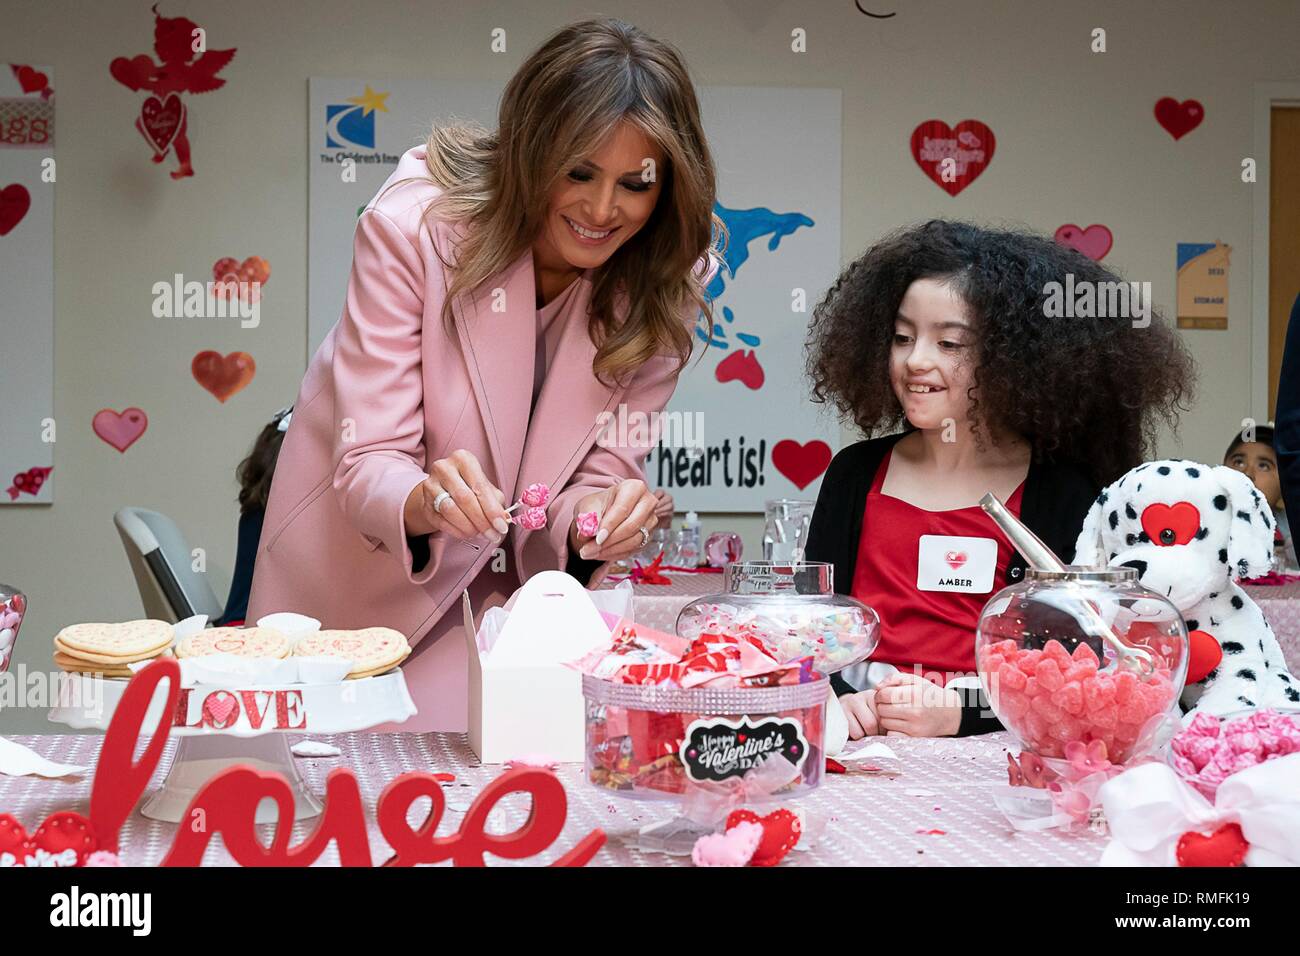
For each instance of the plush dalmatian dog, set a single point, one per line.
(1191, 531)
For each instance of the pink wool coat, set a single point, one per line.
(390, 390)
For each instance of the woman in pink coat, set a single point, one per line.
(508, 289)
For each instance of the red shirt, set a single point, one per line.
(933, 629)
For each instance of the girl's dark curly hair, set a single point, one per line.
(1086, 390)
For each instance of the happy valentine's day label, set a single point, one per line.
(716, 748)
(956, 563)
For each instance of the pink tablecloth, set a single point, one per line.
(1281, 607)
(943, 784)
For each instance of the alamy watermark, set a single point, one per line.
(635, 429)
(1098, 300)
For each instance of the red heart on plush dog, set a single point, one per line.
(59, 833)
(1181, 518)
(1226, 846)
(1203, 655)
(781, 830)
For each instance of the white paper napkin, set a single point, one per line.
(19, 761)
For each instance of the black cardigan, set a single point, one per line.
(1286, 427)
(1056, 499)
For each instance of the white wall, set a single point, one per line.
(1076, 143)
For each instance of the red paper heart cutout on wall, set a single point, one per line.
(223, 376)
(132, 73)
(970, 143)
(1204, 654)
(15, 200)
(120, 429)
(1226, 846)
(781, 830)
(31, 80)
(1177, 118)
(160, 121)
(1094, 242)
(742, 367)
(59, 832)
(1182, 518)
(802, 464)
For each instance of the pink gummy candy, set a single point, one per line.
(1070, 699)
(588, 524)
(1056, 651)
(531, 519)
(1011, 678)
(536, 495)
(1048, 674)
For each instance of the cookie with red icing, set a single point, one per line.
(372, 650)
(240, 641)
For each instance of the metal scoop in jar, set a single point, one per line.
(1041, 558)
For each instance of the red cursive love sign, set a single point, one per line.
(228, 804)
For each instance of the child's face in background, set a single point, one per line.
(930, 362)
(1258, 461)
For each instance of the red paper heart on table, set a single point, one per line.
(781, 830)
(955, 559)
(160, 121)
(1226, 846)
(223, 376)
(59, 832)
(1094, 242)
(1203, 655)
(120, 429)
(31, 80)
(1182, 518)
(131, 73)
(1177, 118)
(802, 464)
(970, 144)
(15, 200)
(742, 367)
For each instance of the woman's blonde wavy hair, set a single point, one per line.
(564, 100)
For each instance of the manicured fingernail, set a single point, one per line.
(586, 552)
(502, 526)
(601, 535)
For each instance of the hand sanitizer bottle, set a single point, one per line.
(689, 549)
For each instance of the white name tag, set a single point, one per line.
(945, 563)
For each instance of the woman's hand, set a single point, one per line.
(664, 505)
(624, 509)
(476, 506)
(860, 711)
(909, 705)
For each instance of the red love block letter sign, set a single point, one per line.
(1177, 118)
(120, 429)
(1094, 242)
(223, 376)
(969, 147)
(228, 802)
(802, 464)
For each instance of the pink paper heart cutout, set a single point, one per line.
(220, 707)
(1094, 242)
(120, 429)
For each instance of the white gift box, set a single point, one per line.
(522, 698)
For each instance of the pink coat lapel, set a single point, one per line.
(500, 353)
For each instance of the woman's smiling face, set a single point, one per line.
(602, 201)
(932, 354)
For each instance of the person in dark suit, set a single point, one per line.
(942, 330)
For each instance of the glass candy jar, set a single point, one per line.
(1082, 655)
(792, 608)
(13, 605)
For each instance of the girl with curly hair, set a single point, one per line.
(948, 330)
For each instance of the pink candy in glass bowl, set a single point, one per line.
(1054, 677)
(13, 605)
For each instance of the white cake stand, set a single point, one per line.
(87, 702)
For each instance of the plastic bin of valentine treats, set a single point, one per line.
(651, 742)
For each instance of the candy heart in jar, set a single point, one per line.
(13, 605)
(1082, 655)
(792, 609)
